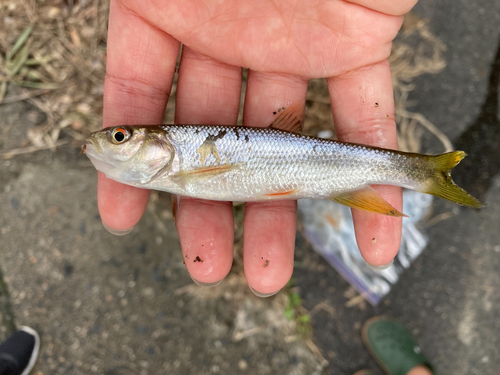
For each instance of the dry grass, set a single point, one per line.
(53, 52)
(53, 56)
(415, 52)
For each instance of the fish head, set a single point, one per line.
(129, 154)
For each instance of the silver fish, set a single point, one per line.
(231, 163)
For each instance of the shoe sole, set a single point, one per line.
(364, 336)
(36, 349)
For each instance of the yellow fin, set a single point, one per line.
(445, 162)
(290, 119)
(441, 184)
(367, 199)
(203, 173)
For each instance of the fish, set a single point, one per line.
(245, 164)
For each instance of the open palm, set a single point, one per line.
(284, 44)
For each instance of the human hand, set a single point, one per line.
(284, 44)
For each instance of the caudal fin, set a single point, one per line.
(441, 183)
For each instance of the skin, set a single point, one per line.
(420, 370)
(284, 44)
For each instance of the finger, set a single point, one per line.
(394, 8)
(139, 73)
(208, 92)
(310, 39)
(269, 234)
(363, 112)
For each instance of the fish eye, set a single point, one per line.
(120, 135)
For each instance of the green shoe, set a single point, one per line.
(392, 346)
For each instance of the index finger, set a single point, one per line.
(140, 69)
(363, 112)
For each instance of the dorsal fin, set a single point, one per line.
(290, 119)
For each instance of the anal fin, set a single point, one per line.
(367, 199)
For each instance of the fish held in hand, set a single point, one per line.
(233, 163)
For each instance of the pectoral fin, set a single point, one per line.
(290, 119)
(367, 199)
(201, 174)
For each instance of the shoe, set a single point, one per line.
(392, 346)
(19, 352)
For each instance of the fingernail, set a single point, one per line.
(117, 232)
(263, 295)
(205, 285)
(380, 268)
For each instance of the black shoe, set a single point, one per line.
(19, 352)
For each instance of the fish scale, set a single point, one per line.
(271, 161)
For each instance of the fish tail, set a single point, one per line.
(441, 183)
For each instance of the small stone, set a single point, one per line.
(53, 12)
(242, 364)
(77, 124)
(35, 117)
(83, 108)
(147, 292)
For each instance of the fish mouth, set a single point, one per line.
(93, 152)
(90, 141)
